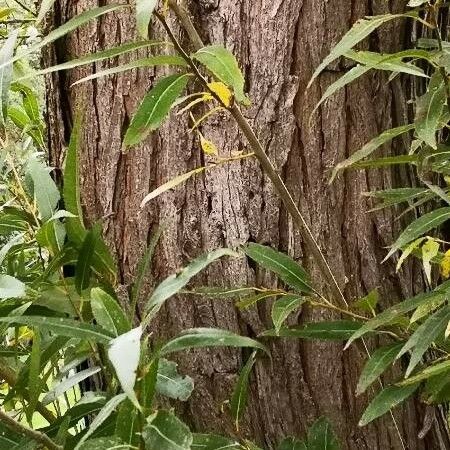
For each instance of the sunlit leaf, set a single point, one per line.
(11, 287)
(6, 71)
(428, 372)
(144, 11)
(429, 250)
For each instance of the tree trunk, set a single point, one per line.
(278, 44)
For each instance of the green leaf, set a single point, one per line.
(415, 3)
(369, 302)
(370, 147)
(171, 285)
(108, 313)
(385, 162)
(291, 443)
(394, 312)
(424, 336)
(426, 373)
(171, 384)
(68, 383)
(376, 365)
(144, 11)
(104, 443)
(171, 184)
(45, 191)
(360, 30)
(83, 269)
(34, 382)
(51, 236)
(208, 337)
(93, 57)
(6, 72)
(386, 400)
(429, 250)
(426, 308)
(105, 412)
(124, 353)
(247, 302)
(11, 287)
(155, 107)
(429, 109)
(283, 265)
(419, 227)
(127, 424)
(63, 327)
(152, 61)
(332, 330)
(238, 400)
(321, 436)
(213, 442)
(223, 64)
(164, 431)
(283, 307)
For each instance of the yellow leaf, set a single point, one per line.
(429, 250)
(221, 90)
(207, 146)
(445, 264)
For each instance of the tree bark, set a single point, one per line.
(278, 44)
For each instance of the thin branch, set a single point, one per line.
(25, 431)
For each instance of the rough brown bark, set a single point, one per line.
(278, 44)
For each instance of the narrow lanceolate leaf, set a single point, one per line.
(386, 400)
(424, 336)
(108, 313)
(34, 381)
(104, 413)
(238, 400)
(104, 443)
(370, 147)
(155, 107)
(124, 353)
(144, 11)
(431, 371)
(11, 287)
(360, 30)
(151, 61)
(171, 184)
(214, 442)
(321, 436)
(83, 268)
(92, 58)
(68, 383)
(6, 54)
(419, 227)
(429, 110)
(63, 327)
(171, 384)
(333, 330)
(173, 284)
(429, 250)
(380, 360)
(164, 431)
(223, 64)
(283, 265)
(393, 313)
(127, 424)
(283, 307)
(209, 337)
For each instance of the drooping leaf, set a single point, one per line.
(283, 307)
(247, 302)
(144, 11)
(6, 71)
(173, 284)
(83, 269)
(370, 147)
(164, 431)
(124, 353)
(223, 64)
(332, 330)
(419, 227)
(63, 327)
(428, 372)
(424, 336)
(429, 109)
(386, 400)
(104, 413)
(155, 107)
(11, 287)
(426, 308)
(213, 442)
(369, 302)
(238, 400)
(171, 384)
(429, 250)
(127, 424)
(208, 337)
(410, 248)
(360, 30)
(171, 184)
(376, 365)
(321, 436)
(151, 61)
(108, 313)
(34, 381)
(283, 265)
